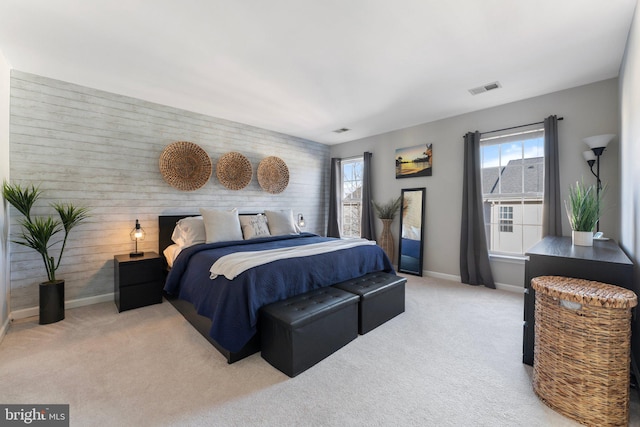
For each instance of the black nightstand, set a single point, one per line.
(138, 281)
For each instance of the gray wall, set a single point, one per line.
(4, 174)
(587, 110)
(101, 150)
(630, 147)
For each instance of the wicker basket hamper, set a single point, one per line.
(582, 356)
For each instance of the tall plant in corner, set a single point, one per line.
(387, 212)
(37, 231)
(389, 209)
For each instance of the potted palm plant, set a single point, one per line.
(387, 213)
(583, 210)
(36, 233)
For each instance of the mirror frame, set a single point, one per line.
(423, 190)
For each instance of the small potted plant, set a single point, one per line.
(583, 210)
(37, 232)
(387, 213)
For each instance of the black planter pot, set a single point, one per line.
(51, 302)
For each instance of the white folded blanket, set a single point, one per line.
(233, 264)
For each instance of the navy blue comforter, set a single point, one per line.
(233, 305)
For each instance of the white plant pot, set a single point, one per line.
(582, 238)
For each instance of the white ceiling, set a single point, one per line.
(308, 67)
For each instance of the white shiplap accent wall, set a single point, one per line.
(101, 150)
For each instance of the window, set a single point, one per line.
(351, 196)
(512, 177)
(506, 219)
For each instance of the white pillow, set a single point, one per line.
(254, 226)
(221, 226)
(189, 231)
(281, 222)
(171, 252)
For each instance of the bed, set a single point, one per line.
(225, 311)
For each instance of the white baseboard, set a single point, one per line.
(510, 288)
(34, 311)
(501, 286)
(443, 276)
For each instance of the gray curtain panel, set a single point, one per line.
(333, 224)
(367, 225)
(475, 268)
(551, 206)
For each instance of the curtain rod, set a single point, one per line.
(353, 157)
(516, 127)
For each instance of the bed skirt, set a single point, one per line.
(203, 325)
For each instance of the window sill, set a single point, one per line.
(513, 259)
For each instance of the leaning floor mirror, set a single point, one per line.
(411, 231)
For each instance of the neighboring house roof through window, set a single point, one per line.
(510, 183)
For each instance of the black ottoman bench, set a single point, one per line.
(381, 298)
(299, 332)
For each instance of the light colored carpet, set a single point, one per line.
(452, 359)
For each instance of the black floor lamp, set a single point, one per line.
(597, 144)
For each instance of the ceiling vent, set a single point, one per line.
(485, 88)
(341, 130)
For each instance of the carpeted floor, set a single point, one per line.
(452, 359)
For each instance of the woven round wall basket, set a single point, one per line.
(273, 175)
(185, 166)
(234, 171)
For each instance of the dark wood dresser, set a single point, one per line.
(556, 256)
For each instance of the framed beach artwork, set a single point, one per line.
(415, 161)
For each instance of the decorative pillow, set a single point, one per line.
(281, 222)
(254, 226)
(189, 231)
(221, 226)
